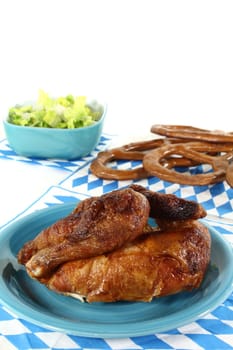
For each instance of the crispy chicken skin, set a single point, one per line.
(98, 225)
(156, 264)
(169, 210)
(106, 251)
(169, 207)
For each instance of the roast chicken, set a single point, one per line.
(96, 226)
(106, 250)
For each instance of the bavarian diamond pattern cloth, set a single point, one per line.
(213, 330)
(6, 153)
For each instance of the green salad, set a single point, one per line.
(63, 112)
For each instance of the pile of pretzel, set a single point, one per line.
(179, 146)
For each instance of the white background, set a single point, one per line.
(165, 62)
(153, 62)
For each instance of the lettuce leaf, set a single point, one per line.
(62, 112)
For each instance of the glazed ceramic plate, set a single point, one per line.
(34, 302)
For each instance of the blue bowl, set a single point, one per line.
(44, 143)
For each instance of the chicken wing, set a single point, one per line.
(98, 225)
(169, 206)
(157, 264)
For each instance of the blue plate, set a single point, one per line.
(34, 302)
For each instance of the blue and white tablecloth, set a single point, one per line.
(213, 331)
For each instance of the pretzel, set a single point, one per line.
(180, 146)
(229, 173)
(192, 133)
(132, 151)
(195, 151)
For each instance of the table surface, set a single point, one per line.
(29, 184)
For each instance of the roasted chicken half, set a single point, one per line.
(105, 250)
(155, 264)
